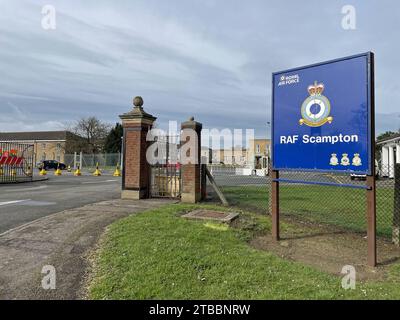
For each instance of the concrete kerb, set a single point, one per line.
(35, 179)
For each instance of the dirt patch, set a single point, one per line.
(211, 215)
(329, 249)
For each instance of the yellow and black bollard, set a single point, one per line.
(58, 171)
(1, 171)
(97, 172)
(117, 172)
(43, 172)
(69, 169)
(77, 172)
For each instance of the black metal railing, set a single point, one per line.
(165, 181)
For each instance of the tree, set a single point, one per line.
(385, 135)
(113, 143)
(91, 133)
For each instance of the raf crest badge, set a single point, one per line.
(316, 108)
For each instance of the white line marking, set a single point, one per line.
(93, 182)
(37, 203)
(13, 202)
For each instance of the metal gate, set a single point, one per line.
(16, 162)
(165, 176)
(165, 181)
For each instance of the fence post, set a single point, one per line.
(396, 206)
(203, 181)
(275, 205)
(81, 160)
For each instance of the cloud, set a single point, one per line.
(388, 122)
(210, 59)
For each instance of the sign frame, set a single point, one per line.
(369, 187)
(370, 109)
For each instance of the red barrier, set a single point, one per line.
(11, 159)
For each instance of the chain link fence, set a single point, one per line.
(341, 205)
(105, 161)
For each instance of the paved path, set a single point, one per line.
(62, 240)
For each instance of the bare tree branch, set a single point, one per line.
(91, 134)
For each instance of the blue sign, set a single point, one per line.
(321, 117)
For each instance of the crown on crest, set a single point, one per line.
(316, 89)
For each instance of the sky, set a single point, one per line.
(208, 59)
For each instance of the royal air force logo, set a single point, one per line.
(316, 108)
(345, 161)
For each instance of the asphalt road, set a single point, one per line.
(25, 202)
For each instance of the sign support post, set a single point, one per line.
(275, 205)
(371, 179)
(371, 218)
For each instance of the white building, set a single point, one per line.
(390, 155)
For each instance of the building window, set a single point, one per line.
(43, 146)
(58, 146)
(258, 148)
(44, 156)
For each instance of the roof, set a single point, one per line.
(34, 135)
(392, 137)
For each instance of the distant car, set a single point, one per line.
(355, 176)
(51, 164)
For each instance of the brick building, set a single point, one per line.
(259, 153)
(234, 156)
(48, 145)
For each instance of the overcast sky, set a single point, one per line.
(210, 59)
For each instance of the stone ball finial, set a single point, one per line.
(138, 102)
(191, 118)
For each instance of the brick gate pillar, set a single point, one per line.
(190, 157)
(136, 170)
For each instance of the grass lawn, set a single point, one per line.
(159, 255)
(339, 206)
